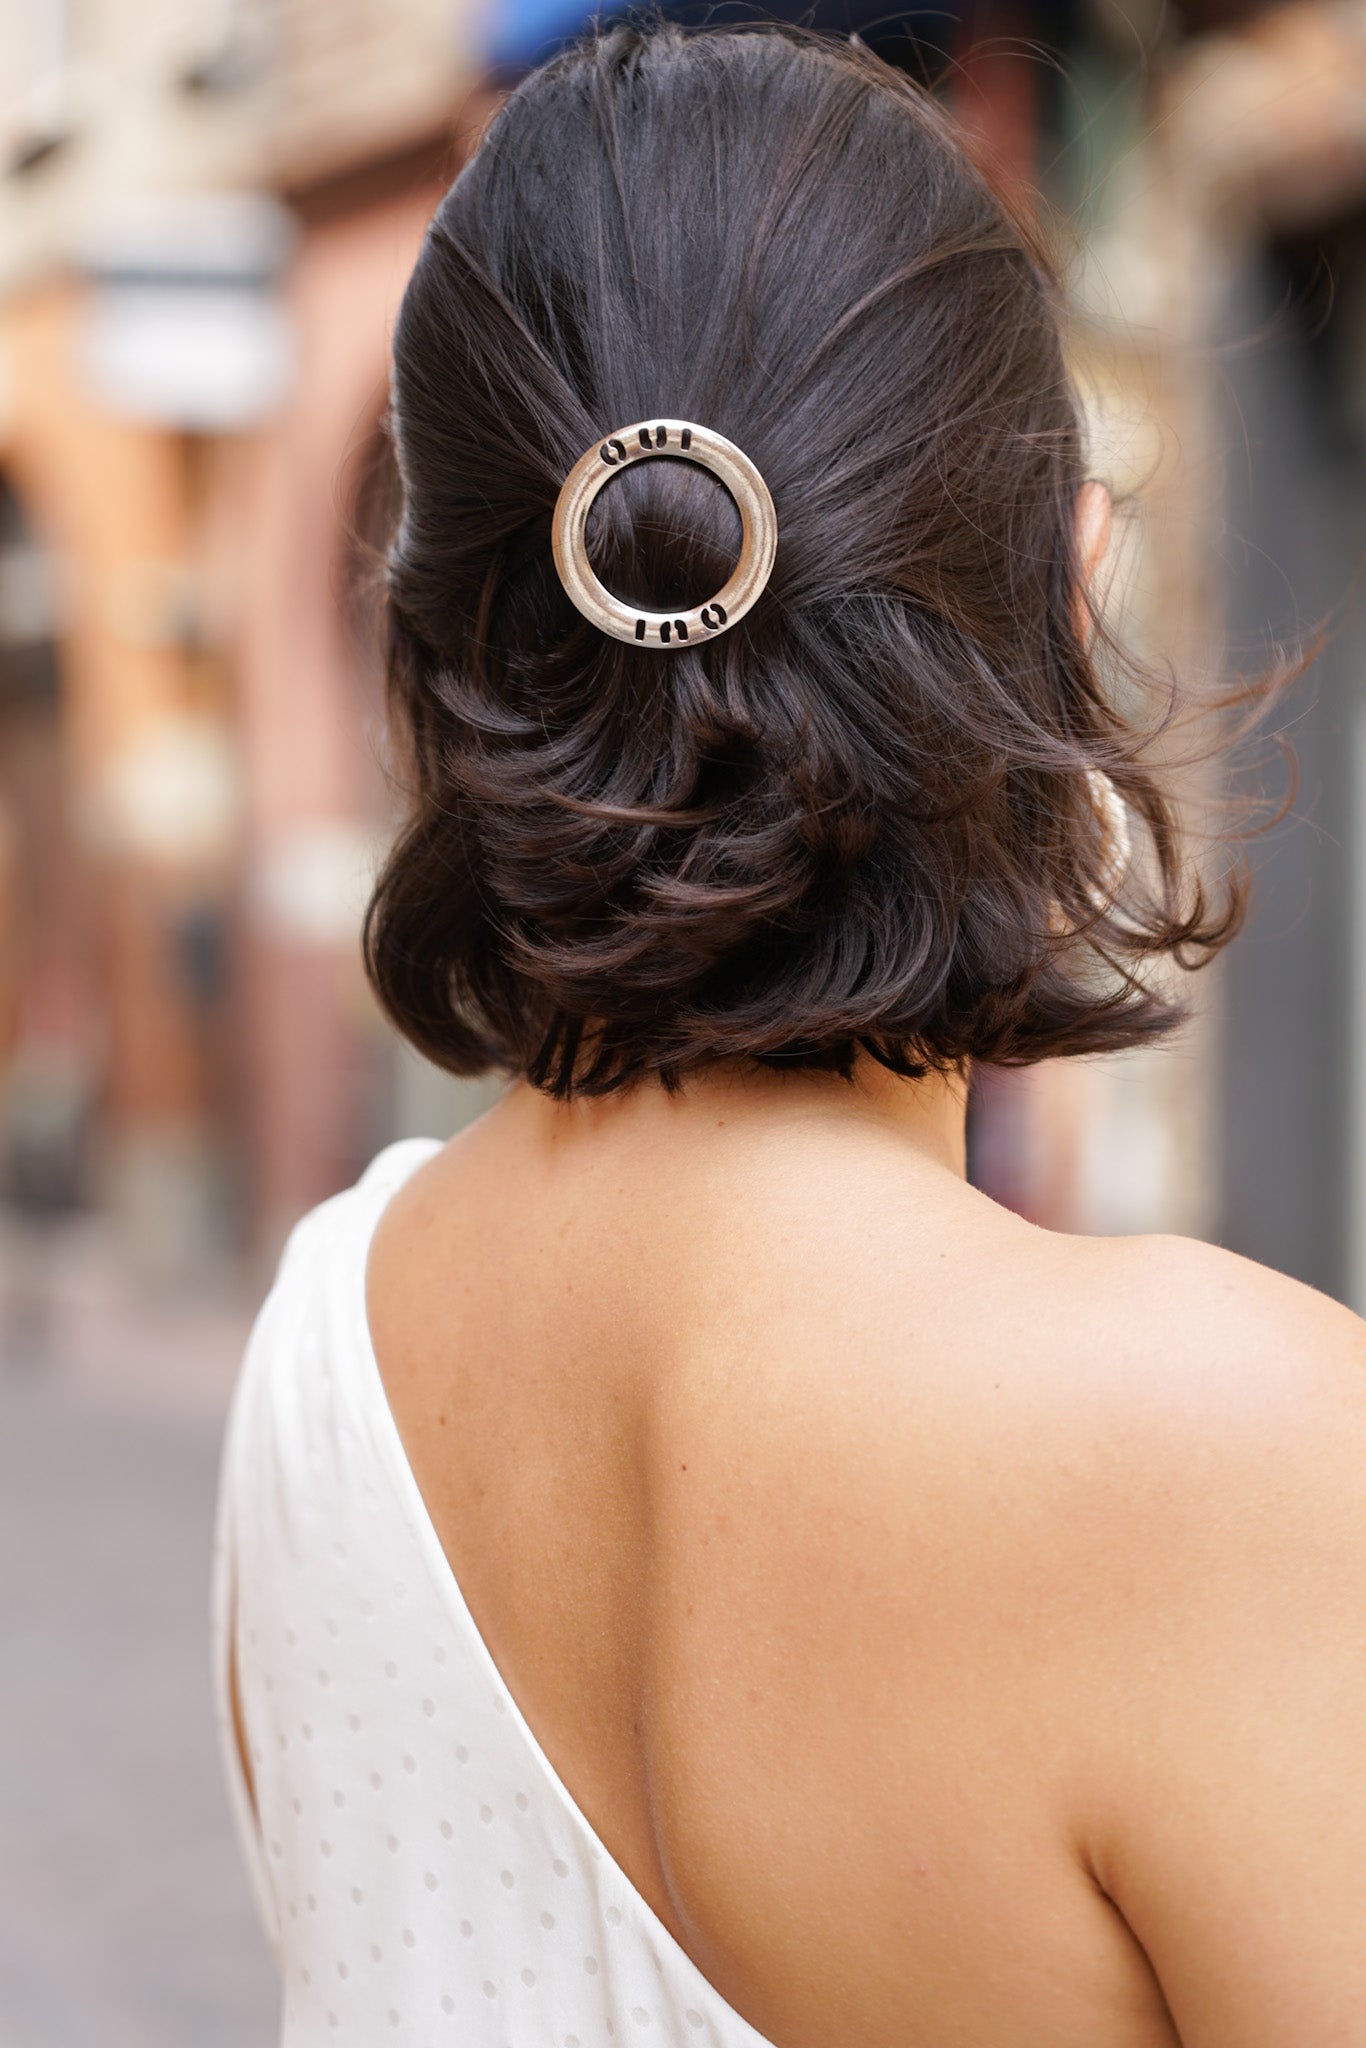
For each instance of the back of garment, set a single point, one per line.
(422, 1872)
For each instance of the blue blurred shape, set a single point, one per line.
(525, 32)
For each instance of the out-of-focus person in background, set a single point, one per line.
(690, 1565)
(208, 215)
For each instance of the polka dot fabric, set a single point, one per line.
(422, 1873)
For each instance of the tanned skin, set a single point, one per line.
(956, 1630)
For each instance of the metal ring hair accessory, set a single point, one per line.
(686, 441)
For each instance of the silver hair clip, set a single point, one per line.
(686, 441)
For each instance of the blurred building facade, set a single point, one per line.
(207, 216)
(1242, 199)
(1213, 158)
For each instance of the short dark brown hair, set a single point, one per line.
(859, 819)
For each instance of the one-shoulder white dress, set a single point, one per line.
(423, 1875)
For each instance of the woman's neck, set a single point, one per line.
(929, 1115)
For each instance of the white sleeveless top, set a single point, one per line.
(423, 1875)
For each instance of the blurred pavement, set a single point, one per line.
(125, 1920)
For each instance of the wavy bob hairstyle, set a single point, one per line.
(860, 819)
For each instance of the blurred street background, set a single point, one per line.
(207, 215)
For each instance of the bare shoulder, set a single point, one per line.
(1217, 1306)
(1221, 1801)
(1221, 1411)
(1124, 1356)
(1155, 1341)
(1168, 1340)
(1216, 1369)
(1123, 1484)
(1085, 1466)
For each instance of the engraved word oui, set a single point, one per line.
(649, 439)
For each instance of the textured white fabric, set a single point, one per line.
(423, 1874)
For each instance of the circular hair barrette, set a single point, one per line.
(685, 441)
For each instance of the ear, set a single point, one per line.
(1092, 513)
